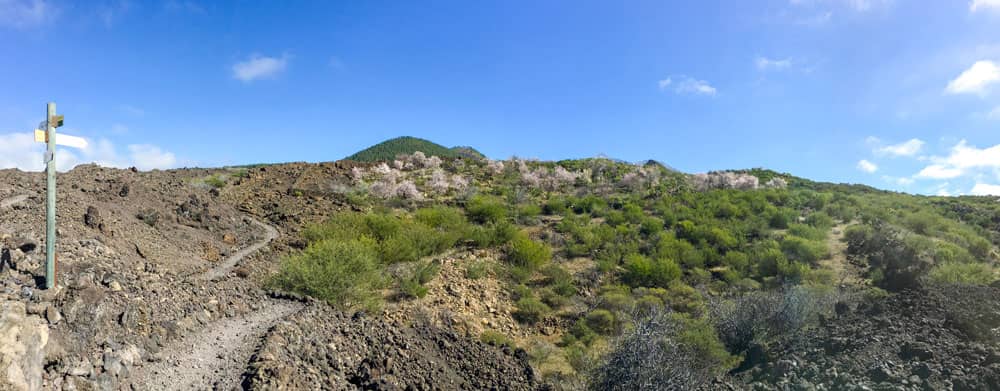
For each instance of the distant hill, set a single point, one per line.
(389, 149)
(468, 152)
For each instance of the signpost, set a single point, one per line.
(47, 135)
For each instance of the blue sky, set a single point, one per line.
(902, 95)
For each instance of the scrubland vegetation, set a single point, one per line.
(699, 271)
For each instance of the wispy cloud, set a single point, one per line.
(767, 64)
(910, 147)
(984, 5)
(19, 150)
(976, 79)
(962, 160)
(687, 85)
(25, 13)
(867, 166)
(259, 67)
(939, 171)
(902, 181)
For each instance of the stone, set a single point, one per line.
(22, 347)
(52, 315)
(93, 218)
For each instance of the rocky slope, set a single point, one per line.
(937, 338)
(160, 279)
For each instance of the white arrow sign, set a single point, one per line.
(63, 139)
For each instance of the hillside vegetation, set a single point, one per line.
(388, 150)
(601, 258)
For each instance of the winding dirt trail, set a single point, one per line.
(216, 356)
(844, 272)
(11, 201)
(225, 266)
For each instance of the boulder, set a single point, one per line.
(22, 347)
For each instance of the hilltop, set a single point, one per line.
(406, 145)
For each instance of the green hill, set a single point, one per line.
(389, 149)
(468, 152)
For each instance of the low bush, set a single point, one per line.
(662, 351)
(346, 274)
(527, 253)
(483, 209)
(492, 235)
(422, 273)
(601, 321)
(962, 273)
(476, 270)
(495, 338)
(803, 250)
(643, 271)
(530, 310)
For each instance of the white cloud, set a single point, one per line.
(148, 157)
(687, 85)
(902, 181)
(257, 67)
(867, 166)
(962, 159)
(907, 148)
(764, 63)
(19, 150)
(25, 13)
(975, 79)
(982, 189)
(937, 171)
(983, 5)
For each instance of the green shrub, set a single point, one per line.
(216, 181)
(422, 273)
(528, 212)
(819, 220)
(442, 218)
(963, 273)
(476, 270)
(527, 253)
(699, 336)
(552, 299)
(559, 280)
(530, 310)
(555, 206)
(643, 271)
(483, 209)
(346, 274)
(491, 235)
(922, 222)
(808, 231)
(685, 299)
(803, 250)
(495, 338)
(601, 321)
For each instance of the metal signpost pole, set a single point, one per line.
(50, 200)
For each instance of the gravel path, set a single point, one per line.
(215, 357)
(224, 267)
(8, 202)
